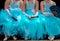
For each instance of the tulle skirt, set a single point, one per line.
(9, 28)
(21, 22)
(52, 25)
(34, 29)
(29, 28)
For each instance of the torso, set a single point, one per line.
(47, 8)
(14, 4)
(30, 6)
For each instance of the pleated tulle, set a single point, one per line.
(8, 26)
(21, 22)
(52, 25)
(34, 29)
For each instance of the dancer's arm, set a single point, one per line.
(21, 5)
(36, 9)
(53, 3)
(24, 7)
(6, 6)
(37, 6)
(42, 7)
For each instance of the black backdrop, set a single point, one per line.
(3, 1)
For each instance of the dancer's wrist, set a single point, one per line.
(8, 12)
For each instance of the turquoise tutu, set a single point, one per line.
(8, 26)
(33, 30)
(21, 22)
(41, 28)
(52, 25)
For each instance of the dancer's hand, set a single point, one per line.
(47, 14)
(18, 17)
(29, 17)
(26, 14)
(8, 12)
(36, 14)
(33, 16)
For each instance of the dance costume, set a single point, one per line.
(10, 26)
(13, 27)
(22, 20)
(7, 24)
(34, 30)
(52, 24)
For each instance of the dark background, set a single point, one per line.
(3, 1)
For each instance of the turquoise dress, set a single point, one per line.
(22, 20)
(52, 23)
(34, 29)
(10, 26)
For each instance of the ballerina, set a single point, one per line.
(11, 16)
(52, 23)
(31, 11)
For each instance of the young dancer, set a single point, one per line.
(12, 11)
(34, 30)
(52, 24)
